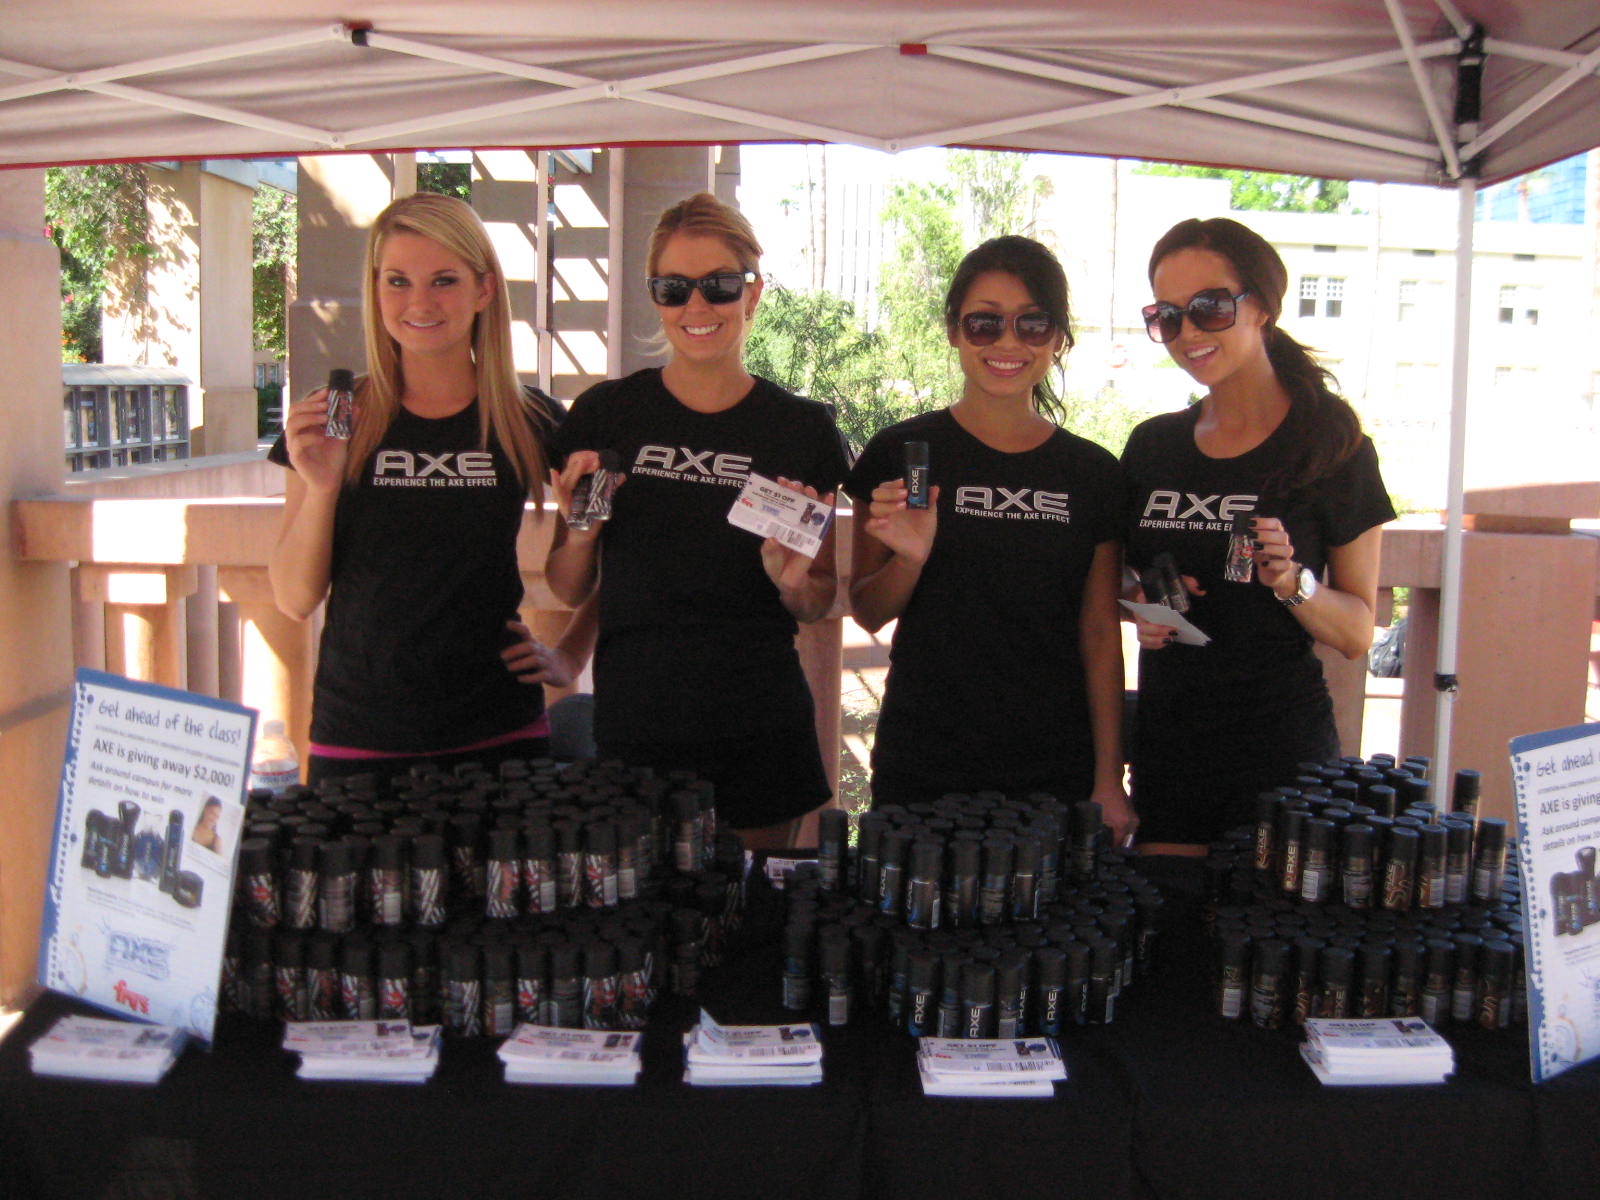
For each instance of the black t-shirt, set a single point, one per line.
(986, 686)
(424, 577)
(1205, 708)
(694, 642)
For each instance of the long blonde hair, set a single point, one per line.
(503, 408)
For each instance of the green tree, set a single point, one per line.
(274, 239)
(813, 343)
(96, 215)
(999, 199)
(446, 178)
(1263, 191)
(928, 245)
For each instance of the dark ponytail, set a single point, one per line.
(1323, 429)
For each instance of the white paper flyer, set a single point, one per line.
(148, 823)
(1557, 781)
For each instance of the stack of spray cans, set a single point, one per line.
(969, 916)
(1352, 895)
(568, 895)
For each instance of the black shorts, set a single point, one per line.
(760, 779)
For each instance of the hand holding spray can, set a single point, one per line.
(341, 403)
(1163, 584)
(591, 497)
(916, 474)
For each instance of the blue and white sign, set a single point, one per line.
(148, 823)
(1557, 780)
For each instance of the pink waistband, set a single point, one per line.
(539, 729)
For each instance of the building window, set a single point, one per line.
(1421, 252)
(1519, 305)
(1321, 295)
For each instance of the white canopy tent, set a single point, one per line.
(1447, 92)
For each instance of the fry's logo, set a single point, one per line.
(133, 1000)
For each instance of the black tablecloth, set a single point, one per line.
(1167, 1101)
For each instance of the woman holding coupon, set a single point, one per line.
(696, 667)
(1268, 498)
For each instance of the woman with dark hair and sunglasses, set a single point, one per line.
(1006, 665)
(1270, 468)
(696, 666)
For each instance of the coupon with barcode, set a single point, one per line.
(770, 510)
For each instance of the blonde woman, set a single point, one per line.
(409, 527)
(696, 667)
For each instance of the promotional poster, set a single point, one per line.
(147, 833)
(1557, 778)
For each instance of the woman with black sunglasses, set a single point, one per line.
(1268, 497)
(1006, 667)
(696, 666)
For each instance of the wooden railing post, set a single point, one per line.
(279, 654)
(145, 617)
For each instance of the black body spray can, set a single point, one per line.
(357, 999)
(1438, 978)
(1464, 796)
(1233, 975)
(922, 993)
(428, 878)
(633, 984)
(503, 875)
(1458, 860)
(569, 864)
(1405, 991)
(1011, 993)
(961, 899)
(896, 849)
(799, 948)
(1356, 877)
(394, 982)
(1399, 871)
(300, 885)
(1489, 862)
(922, 893)
(950, 967)
(258, 880)
(996, 886)
(386, 880)
(1051, 1004)
(1376, 961)
(833, 830)
(600, 865)
(1335, 969)
(336, 887)
(322, 978)
(499, 990)
(1494, 984)
(1431, 866)
(977, 1000)
(917, 475)
(539, 869)
(463, 989)
(1269, 983)
(293, 1002)
(1464, 987)
(833, 952)
(532, 963)
(566, 986)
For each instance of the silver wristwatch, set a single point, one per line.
(1305, 588)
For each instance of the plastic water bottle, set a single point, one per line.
(274, 764)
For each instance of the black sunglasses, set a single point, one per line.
(1211, 311)
(672, 291)
(985, 328)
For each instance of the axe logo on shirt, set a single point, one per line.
(1016, 504)
(1187, 511)
(692, 466)
(402, 468)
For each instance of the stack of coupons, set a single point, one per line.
(1013, 1067)
(1382, 1050)
(375, 1051)
(742, 1055)
(99, 1048)
(588, 1057)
